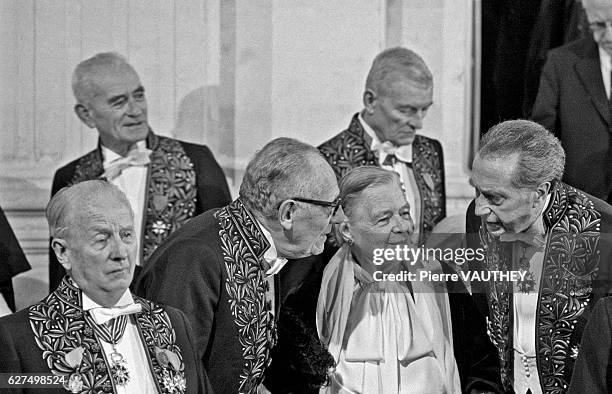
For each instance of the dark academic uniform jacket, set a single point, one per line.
(212, 269)
(183, 180)
(593, 369)
(37, 340)
(12, 260)
(572, 104)
(575, 274)
(351, 148)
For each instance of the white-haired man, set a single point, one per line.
(397, 96)
(221, 268)
(556, 235)
(166, 181)
(91, 334)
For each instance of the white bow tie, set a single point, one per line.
(135, 157)
(102, 315)
(403, 153)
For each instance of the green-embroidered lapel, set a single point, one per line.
(171, 188)
(570, 263)
(243, 245)
(157, 333)
(351, 149)
(59, 327)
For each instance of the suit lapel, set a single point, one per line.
(158, 336)
(589, 73)
(243, 245)
(59, 328)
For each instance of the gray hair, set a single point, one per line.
(280, 170)
(541, 156)
(69, 200)
(353, 183)
(587, 4)
(397, 62)
(83, 78)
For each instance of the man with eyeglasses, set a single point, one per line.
(222, 267)
(573, 102)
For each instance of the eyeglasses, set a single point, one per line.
(600, 26)
(334, 204)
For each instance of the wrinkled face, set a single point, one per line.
(397, 115)
(101, 248)
(313, 222)
(380, 218)
(501, 206)
(598, 13)
(118, 109)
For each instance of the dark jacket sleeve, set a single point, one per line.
(593, 368)
(546, 106)
(186, 276)
(12, 260)
(213, 191)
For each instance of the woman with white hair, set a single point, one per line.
(385, 336)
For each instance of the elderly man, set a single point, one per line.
(556, 235)
(166, 181)
(397, 95)
(220, 268)
(574, 102)
(91, 334)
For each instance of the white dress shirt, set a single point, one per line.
(411, 190)
(604, 64)
(132, 182)
(131, 348)
(526, 374)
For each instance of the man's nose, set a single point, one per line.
(481, 206)
(119, 249)
(133, 108)
(404, 225)
(416, 120)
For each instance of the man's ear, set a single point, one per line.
(85, 115)
(369, 101)
(286, 214)
(541, 192)
(60, 247)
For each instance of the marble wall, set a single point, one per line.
(228, 73)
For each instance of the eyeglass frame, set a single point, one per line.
(335, 205)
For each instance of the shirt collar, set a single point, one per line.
(110, 156)
(271, 255)
(537, 227)
(375, 145)
(88, 303)
(604, 59)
